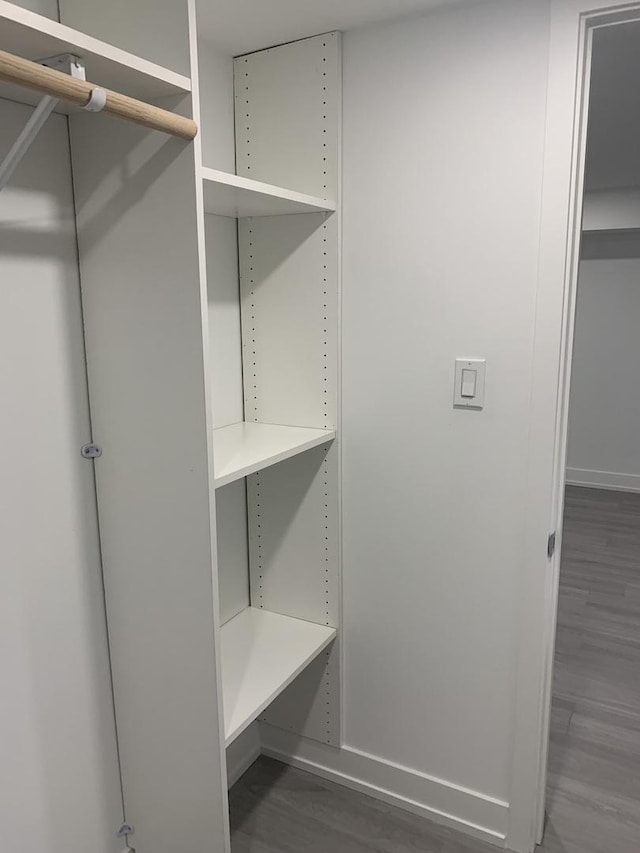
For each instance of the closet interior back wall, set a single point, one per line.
(48, 8)
(59, 711)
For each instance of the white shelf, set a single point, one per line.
(244, 448)
(262, 653)
(231, 195)
(611, 210)
(33, 36)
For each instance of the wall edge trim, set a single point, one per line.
(471, 812)
(612, 480)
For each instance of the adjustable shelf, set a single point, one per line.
(611, 210)
(244, 448)
(262, 653)
(35, 37)
(231, 195)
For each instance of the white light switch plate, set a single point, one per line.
(462, 383)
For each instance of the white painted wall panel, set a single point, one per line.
(443, 139)
(293, 537)
(225, 343)
(216, 109)
(157, 30)
(288, 278)
(59, 783)
(288, 102)
(604, 411)
(48, 8)
(233, 549)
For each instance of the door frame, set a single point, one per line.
(571, 28)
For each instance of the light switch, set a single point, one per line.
(468, 392)
(468, 382)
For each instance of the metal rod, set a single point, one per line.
(26, 137)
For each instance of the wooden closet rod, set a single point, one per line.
(24, 72)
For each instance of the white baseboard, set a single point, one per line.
(603, 480)
(242, 753)
(442, 802)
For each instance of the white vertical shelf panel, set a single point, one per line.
(288, 107)
(288, 279)
(233, 550)
(144, 298)
(225, 359)
(225, 339)
(218, 806)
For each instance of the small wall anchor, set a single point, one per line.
(125, 829)
(91, 451)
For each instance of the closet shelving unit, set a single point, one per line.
(184, 684)
(279, 654)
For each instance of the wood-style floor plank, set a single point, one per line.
(594, 762)
(593, 799)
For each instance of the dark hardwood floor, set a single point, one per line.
(593, 801)
(594, 764)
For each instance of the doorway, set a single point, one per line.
(593, 792)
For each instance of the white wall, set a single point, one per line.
(49, 8)
(443, 139)
(604, 411)
(59, 783)
(216, 108)
(131, 26)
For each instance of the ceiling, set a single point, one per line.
(241, 26)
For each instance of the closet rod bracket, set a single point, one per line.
(68, 63)
(91, 451)
(125, 829)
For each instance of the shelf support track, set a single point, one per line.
(65, 62)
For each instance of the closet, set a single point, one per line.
(604, 413)
(210, 305)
